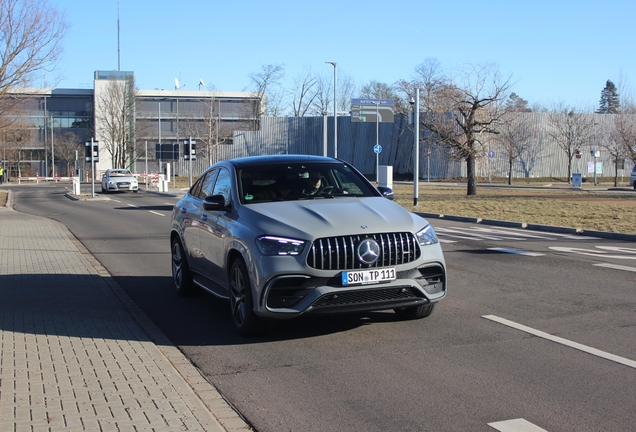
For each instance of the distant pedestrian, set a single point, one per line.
(1, 175)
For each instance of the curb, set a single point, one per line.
(533, 227)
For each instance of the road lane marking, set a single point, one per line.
(616, 267)
(515, 425)
(132, 205)
(516, 252)
(593, 252)
(562, 341)
(618, 249)
(157, 213)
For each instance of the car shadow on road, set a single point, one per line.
(166, 208)
(202, 319)
(93, 306)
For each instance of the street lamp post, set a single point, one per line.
(377, 141)
(52, 152)
(416, 145)
(335, 110)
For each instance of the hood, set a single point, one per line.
(310, 219)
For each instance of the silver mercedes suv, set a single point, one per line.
(281, 236)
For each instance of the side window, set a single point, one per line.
(223, 185)
(203, 185)
(195, 190)
(208, 184)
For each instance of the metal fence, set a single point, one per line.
(356, 140)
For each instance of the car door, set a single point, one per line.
(214, 232)
(192, 218)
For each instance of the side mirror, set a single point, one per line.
(214, 202)
(387, 192)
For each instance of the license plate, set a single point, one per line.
(364, 277)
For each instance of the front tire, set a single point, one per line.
(415, 312)
(181, 270)
(244, 320)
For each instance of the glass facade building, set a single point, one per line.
(50, 126)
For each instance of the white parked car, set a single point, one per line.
(115, 180)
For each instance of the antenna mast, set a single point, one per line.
(118, 50)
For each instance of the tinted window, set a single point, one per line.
(223, 185)
(208, 183)
(205, 182)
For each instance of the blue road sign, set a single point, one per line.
(377, 148)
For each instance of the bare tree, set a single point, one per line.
(346, 91)
(613, 145)
(66, 144)
(206, 129)
(571, 129)
(268, 94)
(304, 92)
(463, 109)
(322, 103)
(515, 136)
(31, 34)
(115, 112)
(624, 134)
(16, 136)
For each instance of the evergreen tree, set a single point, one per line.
(610, 100)
(517, 104)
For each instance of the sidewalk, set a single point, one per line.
(77, 354)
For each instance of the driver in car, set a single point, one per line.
(312, 183)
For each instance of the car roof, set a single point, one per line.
(280, 159)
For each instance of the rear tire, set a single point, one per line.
(245, 321)
(181, 270)
(415, 312)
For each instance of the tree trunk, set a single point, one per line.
(615, 172)
(470, 173)
(510, 172)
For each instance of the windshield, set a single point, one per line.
(284, 182)
(119, 172)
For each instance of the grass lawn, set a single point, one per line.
(591, 210)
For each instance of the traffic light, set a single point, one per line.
(94, 157)
(190, 149)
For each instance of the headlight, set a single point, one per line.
(269, 245)
(427, 236)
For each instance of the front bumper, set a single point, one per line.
(288, 296)
(124, 186)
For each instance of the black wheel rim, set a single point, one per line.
(237, 297)
(177, 265)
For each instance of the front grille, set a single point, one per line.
(367, 297)
(339, 253)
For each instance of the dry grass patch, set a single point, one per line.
(3, 199)
(577, 209)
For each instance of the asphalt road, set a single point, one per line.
(538, 331)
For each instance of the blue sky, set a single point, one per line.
(556, 51)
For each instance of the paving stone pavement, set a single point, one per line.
(77, 354)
